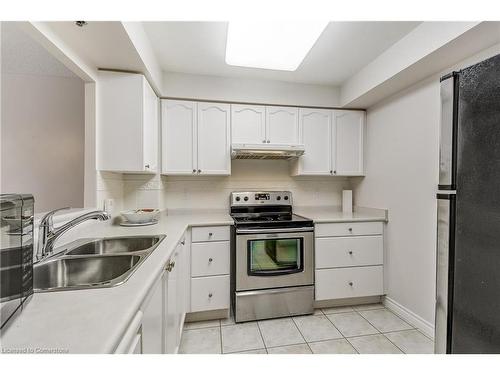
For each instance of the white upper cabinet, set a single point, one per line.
(179, 137)
(248, 124)
(195, 138)
(282, 125)
(315, 133)
(333, 142)
(349, 142)
(127, 123)
(214, 138)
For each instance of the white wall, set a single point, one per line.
(43, 139)
(248, 90)
(212, 192)
(402, 176)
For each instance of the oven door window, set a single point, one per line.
(271, 257)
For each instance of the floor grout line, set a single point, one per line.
(303, 338)
(262, 336)
(344, 337)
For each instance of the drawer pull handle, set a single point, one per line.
(183, 242)
(210, 234)
(210, 295)
(351, 283)
(350, 229)
(210, 260)
(350, 252)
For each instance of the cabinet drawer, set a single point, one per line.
(209, 293)
(349, 251)
(202, 234)
(349, 282)
(209, 258)
(348, 229)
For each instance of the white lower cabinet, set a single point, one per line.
(349, 282)
(152, 320)
(349, 260)
(209, 293)
(210, 268)
(192, 280)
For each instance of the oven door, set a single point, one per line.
(274, 258)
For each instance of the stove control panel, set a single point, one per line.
(253, 198)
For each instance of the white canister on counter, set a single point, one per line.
(347, 201)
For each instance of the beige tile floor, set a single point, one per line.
(363, 329)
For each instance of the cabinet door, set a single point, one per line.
(315, 133)
(349, 139)
(120, 112)
(178, 137)
(248, 124)
(152, 321)
(172, 319)
(150, 130)
(213, 130)
(282, 125)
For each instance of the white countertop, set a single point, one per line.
(94, 320)
(333, 214)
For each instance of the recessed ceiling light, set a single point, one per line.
(277, 45)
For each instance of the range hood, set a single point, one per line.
(265, 151)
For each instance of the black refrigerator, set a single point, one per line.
(468, 228)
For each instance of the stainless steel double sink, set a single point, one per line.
(94, 263)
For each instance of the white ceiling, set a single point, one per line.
(22, 55)
(342, 50)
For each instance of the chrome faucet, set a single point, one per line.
(47, 234)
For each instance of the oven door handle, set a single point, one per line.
(274, 230)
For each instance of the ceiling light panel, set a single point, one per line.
(277, 45)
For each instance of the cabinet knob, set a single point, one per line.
(351, 283)
(210, 295)
(350, 252)
(210, 234)
(331, 172)
(210, 260)
(183, 242)
(147, 166)
(350, 229)
(334, 172)
(194, 170)
(268, 141)
(199, 170)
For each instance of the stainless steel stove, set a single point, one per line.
(272, 257)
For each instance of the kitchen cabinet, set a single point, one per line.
(248, 124)
(333, 142)
(195, 138)
(214, 139)
(172, 306)
(349, 260)
(315, 133)
(349, 141)
(282, 125)
(210, 251)
(153, 319)
(128, 124)
(164, 309)
(179, 152)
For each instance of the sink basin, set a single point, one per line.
(93, 263)
(83, 272)
(115, 245)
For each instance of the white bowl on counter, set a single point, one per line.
(142, 215)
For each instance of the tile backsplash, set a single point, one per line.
(212, 192)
